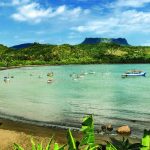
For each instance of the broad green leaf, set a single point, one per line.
(56, 147)
(88, 131)
(146, 140)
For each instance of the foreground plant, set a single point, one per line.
(40, 146)
(87, 142)
(88, 139)
(88, 134)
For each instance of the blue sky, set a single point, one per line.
(70, 21)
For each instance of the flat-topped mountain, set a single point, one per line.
(120, 41)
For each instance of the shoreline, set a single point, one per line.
(14, 67)
(24, 132)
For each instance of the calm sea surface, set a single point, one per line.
(110, 98)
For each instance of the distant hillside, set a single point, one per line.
(3, 48)
(120, 41)
(20, 46)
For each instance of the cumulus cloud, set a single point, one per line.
(33, 12)
(124, 22)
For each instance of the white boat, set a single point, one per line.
(134, 73)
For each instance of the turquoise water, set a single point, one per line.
(110, 98)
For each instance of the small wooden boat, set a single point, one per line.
(134, 73)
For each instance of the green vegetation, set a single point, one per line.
(88, 141)
(42, 54)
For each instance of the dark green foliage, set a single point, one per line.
(41, 54)
(123, 145)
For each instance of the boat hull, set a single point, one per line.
(134, 74)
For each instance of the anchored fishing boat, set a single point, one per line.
(134, 73)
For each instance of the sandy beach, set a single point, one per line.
(17, 132)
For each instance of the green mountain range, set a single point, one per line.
(99, 52)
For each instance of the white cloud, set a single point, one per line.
(34, 13)
(129, 3)
(73, 14)
(125, 22)
(12, 3)
(31, 12)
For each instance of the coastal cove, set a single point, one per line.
(63, 103)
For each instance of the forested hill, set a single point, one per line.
(38, 54)
(20, 46)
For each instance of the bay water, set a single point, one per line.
(77, 90)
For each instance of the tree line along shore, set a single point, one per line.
(100, 53)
